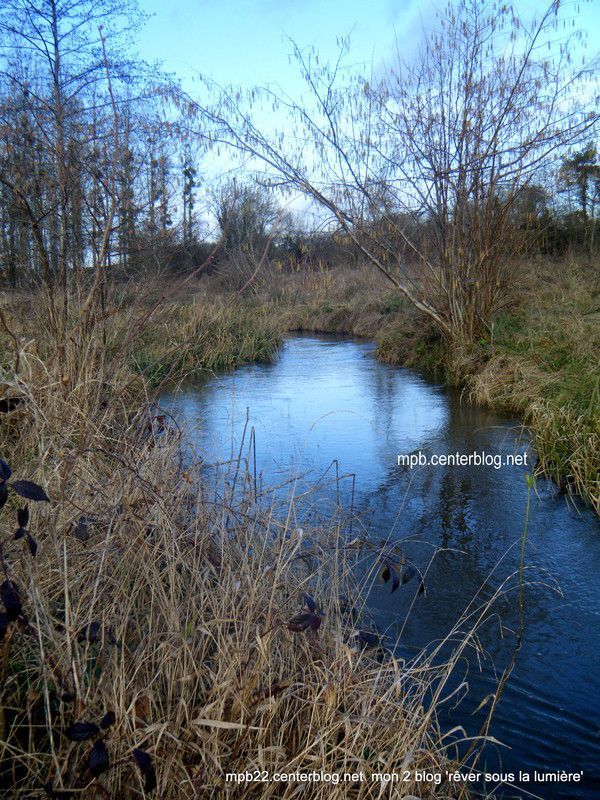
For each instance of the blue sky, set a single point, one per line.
(244, 41)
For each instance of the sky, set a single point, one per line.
(247, 42)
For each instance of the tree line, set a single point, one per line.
(438, 172)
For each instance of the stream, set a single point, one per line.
(327, 398)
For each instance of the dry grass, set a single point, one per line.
(203, 335)
(356, 301)
(164, 602)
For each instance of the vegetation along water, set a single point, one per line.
(299, 400)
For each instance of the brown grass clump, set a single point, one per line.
(354, 301)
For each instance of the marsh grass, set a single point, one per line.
(196, 336)
(543, 363)
(352, 301)
(175, 607)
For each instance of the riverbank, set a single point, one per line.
(149, 645)
(540, 360)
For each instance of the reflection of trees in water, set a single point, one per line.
(466, 509)
(455, 509)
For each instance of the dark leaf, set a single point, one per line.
(30, 491)
(81, 529)
(107, 720)
(311, 605)
(4, 623)
(390, 571)
(144, 762)
(98, 761)
(111, 638)
(9, 594)
(23, 517)
(346, 607)
(19, 534)
(412, 572)
(304, 621)
(31, 542)
(8, 404)
(3, 494)
(5, 470)
(80, 731)
(89, 633)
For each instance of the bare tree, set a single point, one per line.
(249, 220)
(446, 143)
(245, 214)
(580, 174)
(59, 72)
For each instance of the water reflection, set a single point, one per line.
(327, 399)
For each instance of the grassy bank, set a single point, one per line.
(196, 336)
(543, 364)
(157, 636)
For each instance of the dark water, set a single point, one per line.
(326, 398)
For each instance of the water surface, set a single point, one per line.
(327, 398)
